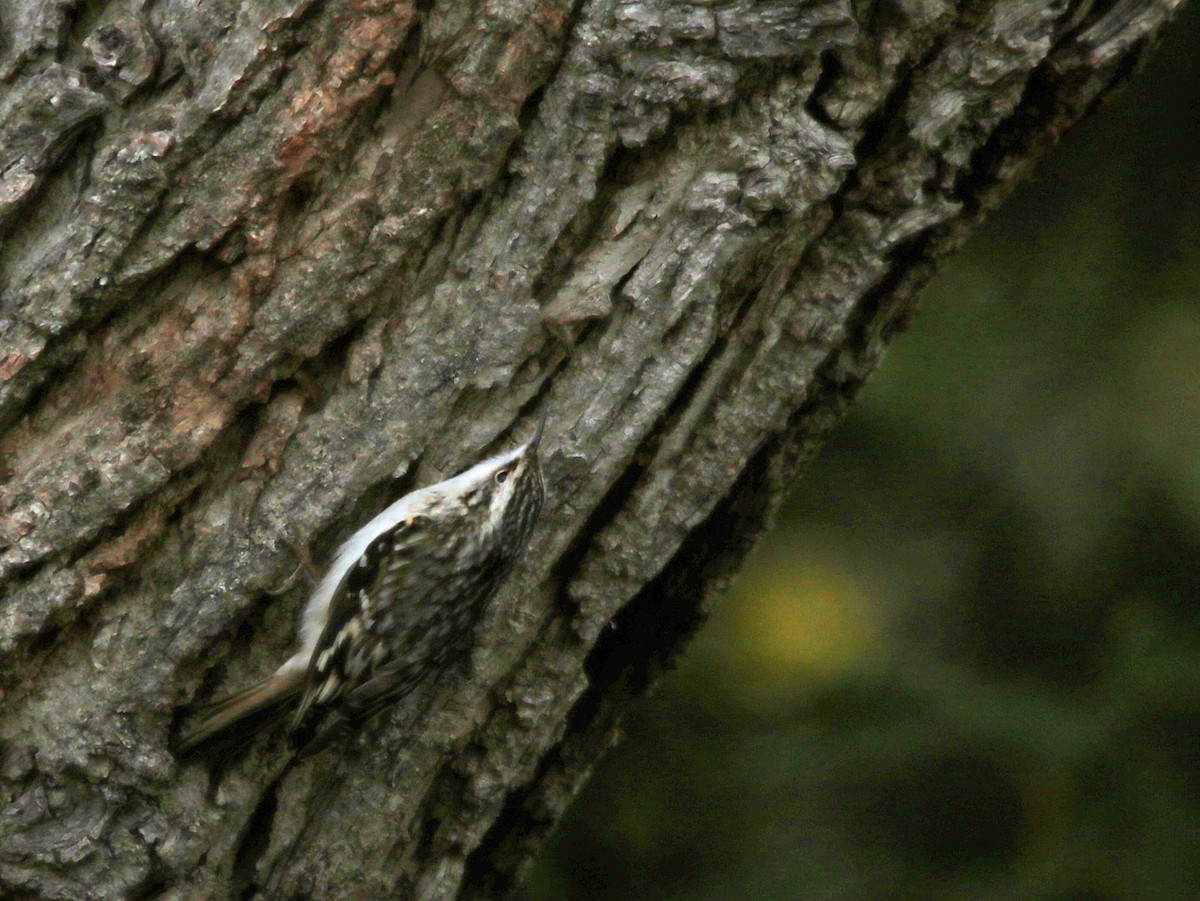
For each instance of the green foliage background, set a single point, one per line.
(967, 664)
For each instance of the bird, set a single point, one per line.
(403, 595)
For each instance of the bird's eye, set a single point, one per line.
(501, 476)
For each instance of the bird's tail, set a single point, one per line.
(241, 715)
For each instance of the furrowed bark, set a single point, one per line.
(266, 265)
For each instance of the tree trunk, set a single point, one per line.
(268, 264)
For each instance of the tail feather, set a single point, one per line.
(247, 711)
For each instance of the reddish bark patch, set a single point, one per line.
(11, 364)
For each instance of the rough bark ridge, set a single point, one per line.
(267, 264)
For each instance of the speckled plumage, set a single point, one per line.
(404, 592)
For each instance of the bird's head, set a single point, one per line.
(505, 492)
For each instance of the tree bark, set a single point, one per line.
(268, 264)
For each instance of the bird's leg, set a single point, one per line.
(304, 568)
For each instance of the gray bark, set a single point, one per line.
(266, 265)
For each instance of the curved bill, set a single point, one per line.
(533, 442)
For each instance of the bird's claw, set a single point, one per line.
(304, 568)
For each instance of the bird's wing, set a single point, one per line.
(358, 705)
(348, 652)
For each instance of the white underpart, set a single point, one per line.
(317, 611)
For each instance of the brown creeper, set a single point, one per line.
(404, 592)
